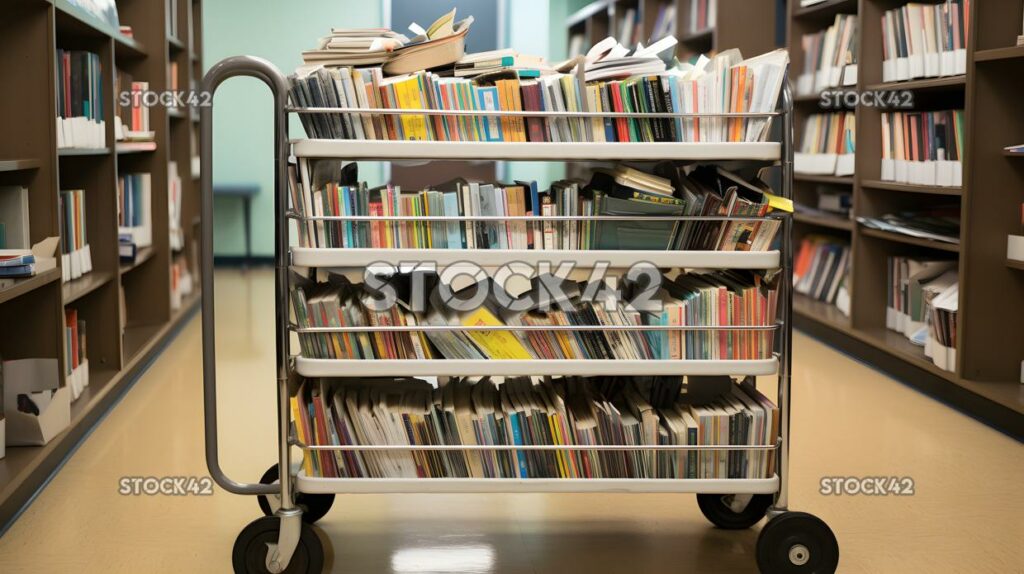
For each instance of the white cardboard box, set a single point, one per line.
(40, 380)
(1015, 247)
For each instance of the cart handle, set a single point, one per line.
(269, 74)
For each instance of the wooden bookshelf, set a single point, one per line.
(30, 33)
(740, 24)
(985, 381)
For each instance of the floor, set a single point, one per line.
(848, 420)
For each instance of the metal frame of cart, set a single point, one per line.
(790, 541)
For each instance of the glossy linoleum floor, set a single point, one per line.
(967, 514)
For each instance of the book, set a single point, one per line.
(80, 120)
(925, 40)
(923, 148)
(75, 252)
(821, 269)
(134, 215)
(827, 53)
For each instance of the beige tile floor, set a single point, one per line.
(967, 514)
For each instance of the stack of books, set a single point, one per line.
(131, 117)
(618, 191)
(821, 271)
(16, 264)
(935, 223)
(720, 298)
(830, 56)
(76, 367)
(75, 251)
(80, 121)
(922, 302)
(134, 217)
(610, 81)
(923, 148)
(703, 14)
(925, 40)
(828, 144)
(523, 412)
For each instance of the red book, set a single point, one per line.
(621, 124)
(328, 467)
(71, 322)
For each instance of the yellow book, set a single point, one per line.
(495, 344)
(300, 429)
(407, 92)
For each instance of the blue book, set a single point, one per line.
(451, 209)
(17, 261)
(517, 439)
(16, 271)
(487, 99)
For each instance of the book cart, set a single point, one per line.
(284, 541)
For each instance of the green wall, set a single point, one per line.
(243, 125)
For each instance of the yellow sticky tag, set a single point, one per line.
(779, 203)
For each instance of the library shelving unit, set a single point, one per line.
(282, 538)
(745, 24)
(32, 310)
(985, 379)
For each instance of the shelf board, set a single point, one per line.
(821, 312)
(316, 485)
(143, 255)
(494, 258)
(535, 151)
(897, 344)
(700, 36)
(509, 367)
(1007, 153)
(825, 10)
(136, 338)
(135, 147)
(76, 289)
(833, 179)
(824, 221)
(22, 286)
(583, 14)
(128, 47)
(1014, 264)
(945, 83)
(911, 188)
(908, 240)
(1010, 53)
(99, 380)
(82, 151)
(19, 164)
(175, 44)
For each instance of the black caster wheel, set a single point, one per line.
(249, 556)
(314, 506)
(717, 508)
(797, 543)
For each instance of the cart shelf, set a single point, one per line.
(535, 151)
(313, 485)
(511, 368)
(315, 257)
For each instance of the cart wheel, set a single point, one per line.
(717, 509)
(249, 555)
(314, 506)
(797, 543)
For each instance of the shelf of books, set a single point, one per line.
(901, 191)
(61, 217)
(316, 485)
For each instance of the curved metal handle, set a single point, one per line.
(269, 74)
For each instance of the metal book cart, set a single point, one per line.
(284, 541)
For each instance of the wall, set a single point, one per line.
(243, 126)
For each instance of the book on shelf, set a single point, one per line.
(921, 304)
(172, 18)
(703, 15)
(630, 27)
(665, 22)
(75, 252)
(174, 197)
(738, 298)
(577, 44)
(827, 145)
(830, 56)
(523, 412)
(925, 40)
(316, 191)
(936, 223)
(831, 202)
(494, 61)
(18, 264)
(134, 213)
(80, 120)
(821, 271)
(14, 218)
(182, 284)
(725, 83)
(76, 358)
(131, 116)
(923, 148)
(1015, 243)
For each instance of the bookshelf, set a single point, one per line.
(985, 382)
(739, 24)
(30, 33)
